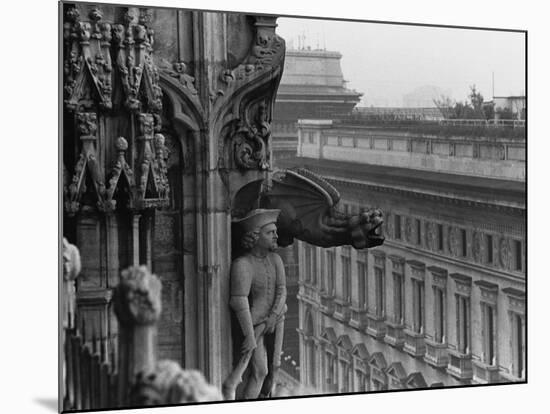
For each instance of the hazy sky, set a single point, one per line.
(386, 61)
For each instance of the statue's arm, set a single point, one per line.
(241, 280)
(280, 287)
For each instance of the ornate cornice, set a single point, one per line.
(342, 182)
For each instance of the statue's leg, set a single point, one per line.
(269, 382)
(258, 370)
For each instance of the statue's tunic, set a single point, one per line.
(262, 281)
(262, 290)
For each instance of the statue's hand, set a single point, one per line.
(270, 323)
(249, 344)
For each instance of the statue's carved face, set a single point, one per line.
(268, 237)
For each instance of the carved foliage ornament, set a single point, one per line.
(251, 142)
(266, 53)
(258, 76)
(180, 72)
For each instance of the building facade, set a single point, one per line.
(442, 301)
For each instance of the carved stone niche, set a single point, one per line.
(478, 247)
(453, 244)
(430, 235)
(252, 139)
(408, 229)
(505, 253)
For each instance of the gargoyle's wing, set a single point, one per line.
(303, 198)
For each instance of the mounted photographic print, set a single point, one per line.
(259, 206)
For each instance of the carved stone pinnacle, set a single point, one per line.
(137, 297)
(121, 144)
(95, 14)
(168, 383)
(159, 140)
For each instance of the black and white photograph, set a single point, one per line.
(262, 206)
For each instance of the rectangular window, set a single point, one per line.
(489, 334)
(344, 379)
(517, 255)
(313, 263)
(311, 137)
(329, 368)
(463, 323)
(359, 381)
(489, 248)
(346, 274)
(379, 291)
(362, 279)
(307, 254)
(464, 243)
(518, 345)
(418, 232)
(331, 272)
(418, 306)
(440, 314)
(440, 236)
(397, 226)
(398, 298)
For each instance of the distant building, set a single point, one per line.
(312, 87)
(442, 301)
(513, 105)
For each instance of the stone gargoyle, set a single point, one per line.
(309, 212)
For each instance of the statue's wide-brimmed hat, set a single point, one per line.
(258, 218)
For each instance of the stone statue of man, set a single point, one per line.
(258, 296)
